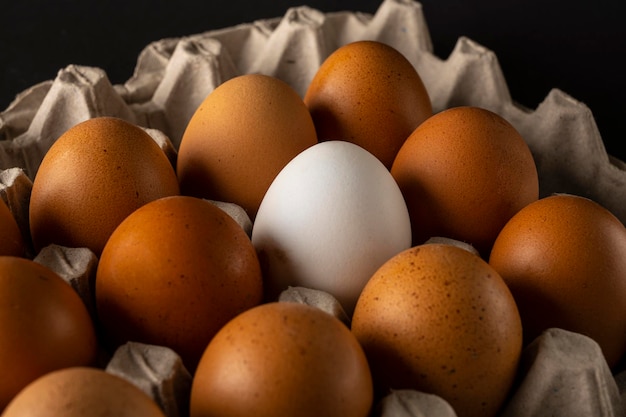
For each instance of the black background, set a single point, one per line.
(576, 46)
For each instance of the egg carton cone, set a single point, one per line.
(173, 76)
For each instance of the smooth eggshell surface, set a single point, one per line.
(564, 258)
(240, 137)
(437, 318)
(368, 93)
(44, 323)
(91, 178)
(80, 392)
(173, 273)
(283, 359)
(331, 217)
(464, 172)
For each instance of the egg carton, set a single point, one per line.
(562, 373)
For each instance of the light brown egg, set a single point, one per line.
(44, 325)
(80, 392)
(91, 178)
(240, 137)
(11, 241)
(368, 93)
(437, 318)
(173, 273)
(463, 173)
(564, 259)
(283, 359)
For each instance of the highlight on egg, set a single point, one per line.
(172, 273)
(92, 177)
(44, 323)
(240, 137)
(564, 259)
(331, 217)
(463, 173)
(439, 319)
(283, 359)
(366, 92)
(80, 391)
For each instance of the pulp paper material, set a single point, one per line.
(77, 266)
(174, 75)
(565, 375)
(237, 213)
(15, 189)
(156, 370)
(411, 403)
(315, 298)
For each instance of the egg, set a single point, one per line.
(44, 323)
(464, 172)
(79, 392)
(283, 359)
(12, 243)
(172, 273)
(437, 318)
(240, 137)
(331, 217)
(368, 93)
(564, 259)
(91, 178)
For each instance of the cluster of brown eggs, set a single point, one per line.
(175, 270)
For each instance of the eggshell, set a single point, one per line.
(240, 137)
(79, 392)
(464, 172)
(92, 177)
(11, 242)
(438, 319)
(44, 323)
(564, 258)
(283, 359)
(174, 272)
(368, 93)
(331, 217)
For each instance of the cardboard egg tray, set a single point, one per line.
(562, 373)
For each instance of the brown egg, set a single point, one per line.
(172, 273)
(437, 318)
(564, 259)
(283, 359)
(463, 173)
(240, 137)
(368, 93)
(11, 241)
(80, 392)
(93, 176)
(44, 325)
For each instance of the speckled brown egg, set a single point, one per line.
(91, 178)
(564, 259)
(283, 359)
(437, 318)
(44, 325)
(80, 392)
(11, 242)
(368, 93)
(240, 137)
(464, 173)
(172, 273)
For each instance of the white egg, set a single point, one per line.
(328, 221)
